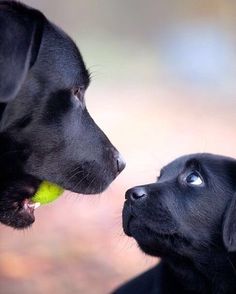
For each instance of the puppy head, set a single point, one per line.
(184, 210)
(45, 113)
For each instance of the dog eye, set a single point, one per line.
(194, 179)
(79, 93)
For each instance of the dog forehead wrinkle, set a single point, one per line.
(193, 163)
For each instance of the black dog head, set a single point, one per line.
(191, 207)
(43, 81)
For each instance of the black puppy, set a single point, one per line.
(46, 130)
(188, 218)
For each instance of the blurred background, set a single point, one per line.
(163, 85)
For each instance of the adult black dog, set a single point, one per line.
(46, 130)
(188, 218)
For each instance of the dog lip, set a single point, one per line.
(28, 206)
(34, 205)
(126, 226)
(127, 217)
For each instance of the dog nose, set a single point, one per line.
(135, 193)
(120, 162)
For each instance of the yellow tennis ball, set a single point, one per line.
(46, 193)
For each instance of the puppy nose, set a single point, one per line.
(135, 193)
(120, 162)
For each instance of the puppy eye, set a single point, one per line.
(194, 179)
(79, 93)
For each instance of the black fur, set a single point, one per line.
(46, 130)
(188, 218)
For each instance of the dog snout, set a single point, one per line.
(136, 194)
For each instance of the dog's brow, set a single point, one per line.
(84, 81)
(192, 163)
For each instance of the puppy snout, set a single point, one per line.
(120, 162)
(136, 194)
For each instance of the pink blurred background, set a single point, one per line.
(163, 85)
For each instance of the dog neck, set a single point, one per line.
(212, 273)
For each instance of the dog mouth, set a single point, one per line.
(28, 207)
(23, 216)
(16, 207)
(126, 226)
(135, 225)
(127, 219)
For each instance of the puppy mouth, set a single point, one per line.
(126, 226)
(133, 224)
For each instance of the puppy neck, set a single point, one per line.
(214, 272)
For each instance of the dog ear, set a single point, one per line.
(229, 226)
(229, 219)
(20, 38)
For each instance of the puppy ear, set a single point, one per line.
(20, 38)
(229, 226)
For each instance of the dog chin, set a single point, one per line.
(149, 241)
(87, 186)
(152, 249)
(90, 189)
